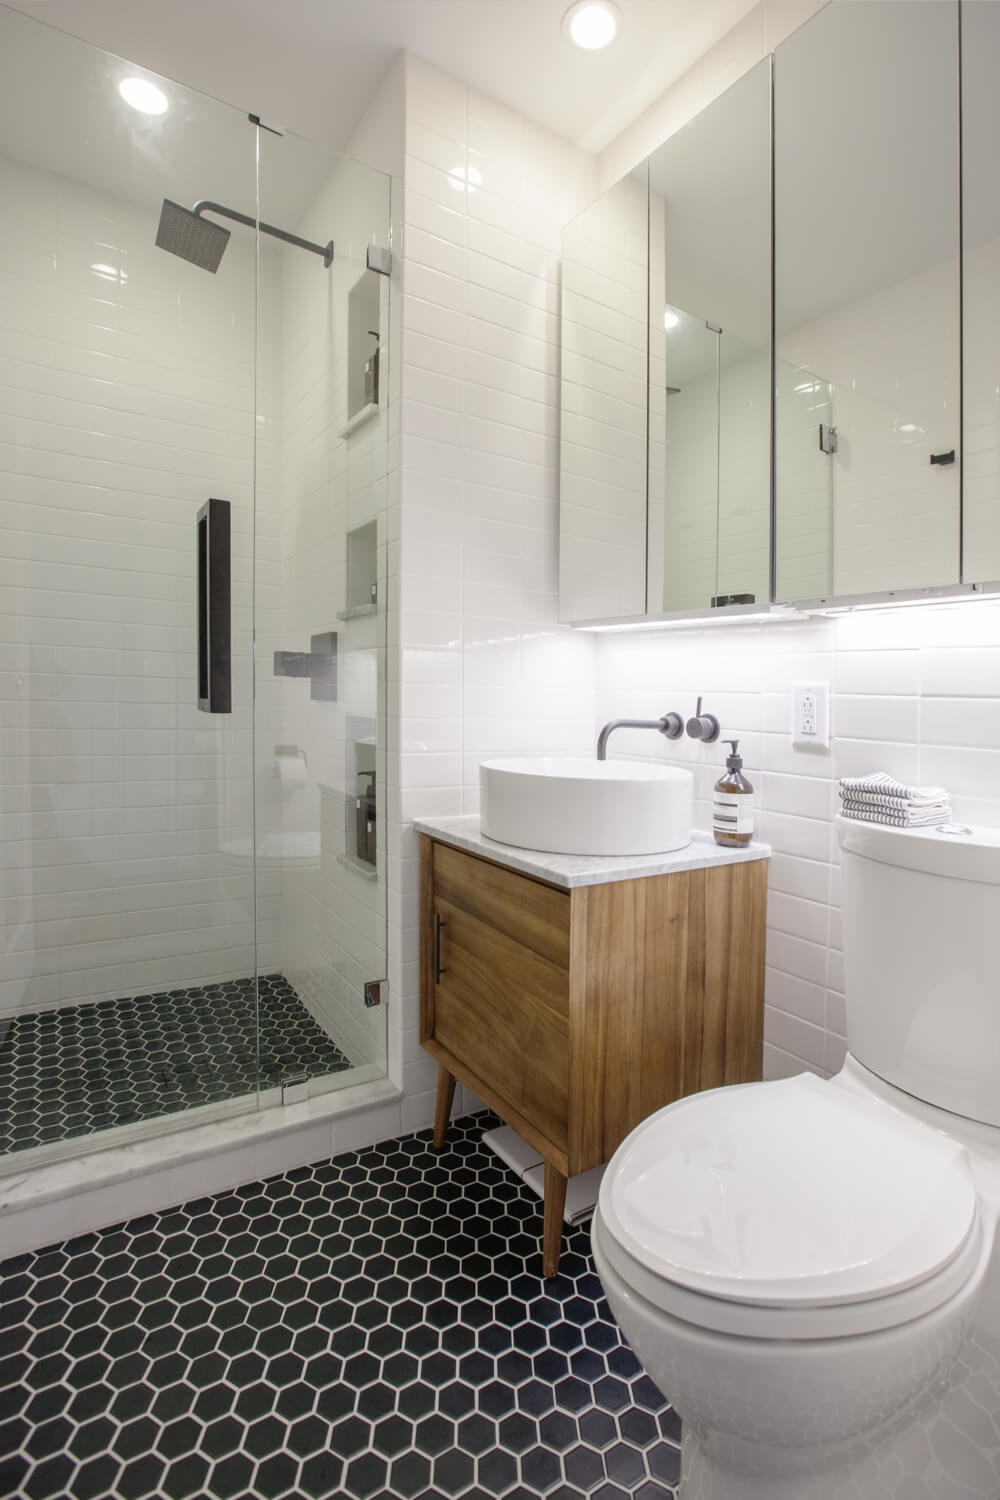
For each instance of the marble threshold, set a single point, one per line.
(572, 870)
(58, 1200)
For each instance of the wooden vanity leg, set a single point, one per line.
(445, 1096)
(555, 1202)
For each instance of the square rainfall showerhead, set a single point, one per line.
(190, 236)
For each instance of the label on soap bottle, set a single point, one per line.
(732, 812)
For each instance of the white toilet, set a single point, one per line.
(808, 1269)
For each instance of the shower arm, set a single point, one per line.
(279, 234)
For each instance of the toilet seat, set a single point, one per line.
(790, 1209)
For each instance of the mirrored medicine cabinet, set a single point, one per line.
(723, 448)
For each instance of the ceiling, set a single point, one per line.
(313, 64)
(61, 112)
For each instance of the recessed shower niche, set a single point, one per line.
(362, 572)
(365, 322)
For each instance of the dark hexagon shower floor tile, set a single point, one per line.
(371, 1327)
(82, 1068)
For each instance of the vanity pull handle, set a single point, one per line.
(439, 925)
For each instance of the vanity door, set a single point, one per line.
(496, 989)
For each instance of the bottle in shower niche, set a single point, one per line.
(371, 815)
(372, 372)
(364, 805)
(732, 804)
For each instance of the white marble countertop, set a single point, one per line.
(570, 870)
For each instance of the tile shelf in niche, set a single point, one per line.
(360, 418)
(358, 612)
(359, 866)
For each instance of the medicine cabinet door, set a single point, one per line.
(867, 298)
(710, 356)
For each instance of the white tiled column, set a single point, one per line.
(484, 668)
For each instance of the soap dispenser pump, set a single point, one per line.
(732, 804)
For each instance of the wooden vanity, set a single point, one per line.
(576, 1010)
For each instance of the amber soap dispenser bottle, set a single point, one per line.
(732, 804)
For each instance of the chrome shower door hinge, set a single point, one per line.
(379, 259)
(373, 992)
(295, 1090)
(827, 438)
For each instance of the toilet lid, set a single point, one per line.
(789, 1194)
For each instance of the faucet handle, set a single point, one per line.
(704, 727)
(672, 725)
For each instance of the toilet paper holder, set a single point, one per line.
(293, 752)
(290, 766)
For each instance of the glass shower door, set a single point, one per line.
(160, 880)
(322, 432)
(128, 992)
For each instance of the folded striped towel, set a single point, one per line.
(880, 798)
(929, 819)
(880, 784)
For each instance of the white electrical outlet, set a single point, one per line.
(811, 714)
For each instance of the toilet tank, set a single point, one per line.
(922, 961)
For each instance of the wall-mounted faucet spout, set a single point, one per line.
(672, 725)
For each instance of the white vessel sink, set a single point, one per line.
(572, 805)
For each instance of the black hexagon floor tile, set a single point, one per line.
(360, 1328)
(83, 1068)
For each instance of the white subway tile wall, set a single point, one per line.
(126, 403)
(478, 665)
(915, 691)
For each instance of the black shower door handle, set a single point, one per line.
(215, 659)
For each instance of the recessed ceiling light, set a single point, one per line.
(670, 319)
(143, 96)
(592, 24)
(110, 273)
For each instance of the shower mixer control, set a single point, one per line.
(319, 664)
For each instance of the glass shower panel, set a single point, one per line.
(322, 432)
(128, 987)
